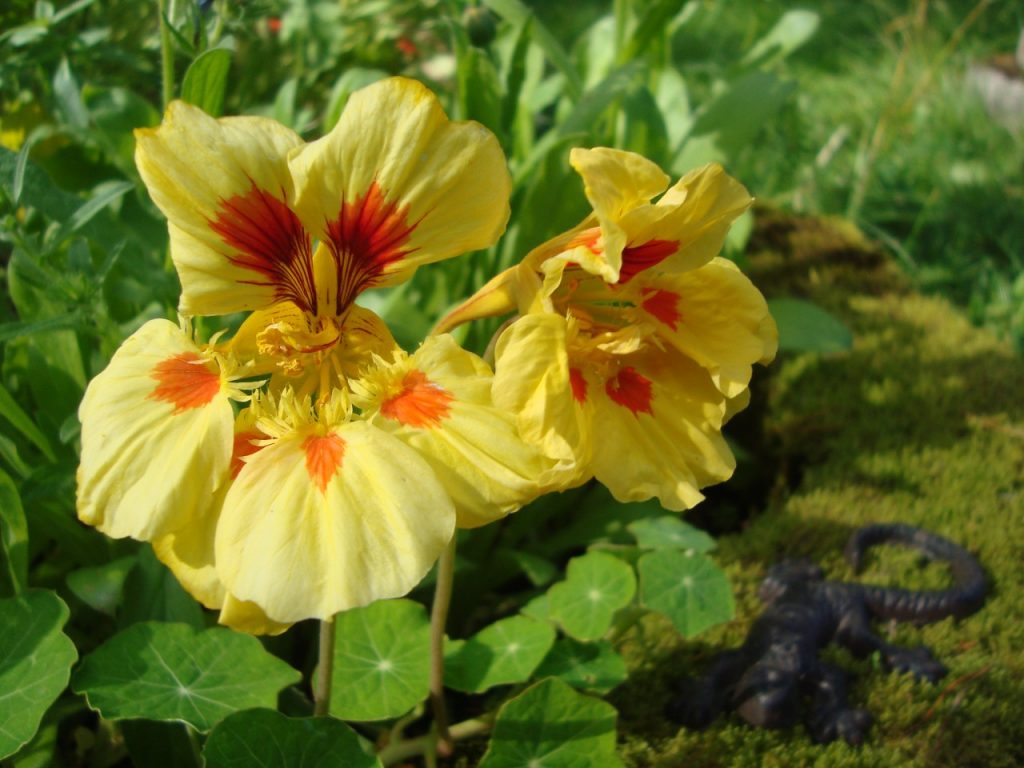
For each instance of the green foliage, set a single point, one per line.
(686, 587)
(381, 660)
(551, 724)
(165, 671)
(35, 663)
(597, 585)
(263, 738)
(507, 651)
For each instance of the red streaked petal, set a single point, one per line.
(244, 445)
(323, 458)
(637, 258)
(369, 234)
(664, 305)
(421, 403)
(270, 241)
(185, 381)
(630, 390)
(578, 384)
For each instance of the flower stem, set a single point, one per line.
(324, 670)
(166, 54)
(438, 617)
(403, 750)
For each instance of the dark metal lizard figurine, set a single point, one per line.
(766, 679)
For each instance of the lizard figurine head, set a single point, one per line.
(787, 576)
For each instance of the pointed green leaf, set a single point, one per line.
(552, 726)
(152, 593)
(381, 660)
(206, 81)
(13, 539)
(101, 586)
(507, 651)
(598, 585)
(21, 421)
(669, 532)
(35, 663)
(689, 588)
(592, 667)
(163, 671)
(806, 327)
(262, 738)
(790, 32)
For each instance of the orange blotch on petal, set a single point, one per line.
(421, 403)
(578, 384)
(244, 445)
(637, 258)
(630, 390)
(369, 234)
(185, 381)
(664, 305)
(323, 458)
(588, 239)
(269, 240)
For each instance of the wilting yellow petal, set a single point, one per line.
(533, 380)
(156, 436)
(660, 422)
(715, 316)
(326, 519)
(439, 402)
(396, 185)
(224, 186)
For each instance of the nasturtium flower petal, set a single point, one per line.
(715, 316)
(330, 517)
(246, 616)
(660, 421)
(534, 380)
(438, 401)
(396, 185)
(224, 186)
(157, 429)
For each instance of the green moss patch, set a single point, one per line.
(921, 422)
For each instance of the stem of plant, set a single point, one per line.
(438, 618)
(166, 55)
(324, 670)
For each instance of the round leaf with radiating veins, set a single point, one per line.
(592, 667)
(670, 532)
(550, 725)
(598, 585)
(262, 738)
(505, 652)
(161, 671)
(381, 660)
(689, 588)
(35, 663)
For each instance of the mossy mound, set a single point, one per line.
(922, 422)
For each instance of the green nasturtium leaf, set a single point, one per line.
(507, 651)
(262, 738)
(592, 667)
(206, 81)
(35, 663)
(670, 532)
(806, 327)
(381, 660)
(550, 725)
(161, 671)
(598, 585)
(689, 588)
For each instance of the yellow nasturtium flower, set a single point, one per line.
(634, 341)
(307, 465)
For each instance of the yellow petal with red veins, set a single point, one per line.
(327, 519)
(616, 182)
(715, 316)
(224, 186)
(396, 185)
(533, 380)
(156, 436)
(439, 403)
(659, 420)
